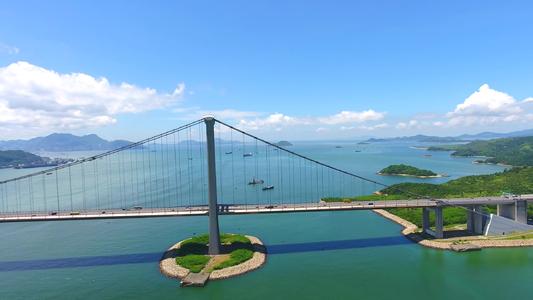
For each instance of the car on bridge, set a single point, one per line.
(508, 195)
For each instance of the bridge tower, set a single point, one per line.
(214, 233)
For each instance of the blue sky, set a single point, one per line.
(284, 69)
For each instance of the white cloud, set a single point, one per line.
(347, 128)
(365, 127)
(274, 120)
(408, 125)
(487, 106)
(374, 127)
(278, 120)
(488, 102)
(226, 114)
(352, 117)
(35, 97)
(11, 50)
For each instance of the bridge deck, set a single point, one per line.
(255, 209)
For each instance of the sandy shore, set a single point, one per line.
(170, 268)
(411, 231)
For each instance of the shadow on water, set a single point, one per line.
(91, 261)
(337, 245)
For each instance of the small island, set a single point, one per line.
(189, 261)
(283, 144)
(406, 170)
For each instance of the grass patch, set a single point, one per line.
(194, 245)
(194, 262)
(192, 252)
(452, 215)
(198, 244)
(517, 236)
(227, 238)
(236, 257)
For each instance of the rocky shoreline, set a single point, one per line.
(170, 268)
(253, 263)
(411, 232)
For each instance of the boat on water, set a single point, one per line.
(256, 181)
(268, 187)
(229, 152)
(247, 154)
(357, 150)
(338, 146)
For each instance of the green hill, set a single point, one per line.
(11, 158)
(517, 151)
(63, 142)
(406, 170)
(518, 180)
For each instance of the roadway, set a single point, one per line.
(235, 209)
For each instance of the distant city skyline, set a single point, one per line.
(294, 71)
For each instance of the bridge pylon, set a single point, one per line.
(214, 233)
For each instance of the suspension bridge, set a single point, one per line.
(208, 167)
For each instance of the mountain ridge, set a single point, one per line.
(486, 135)
(63, 142)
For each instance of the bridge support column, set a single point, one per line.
(425, 219)
(439, 222)
(515, 211)
(214, 233)
(474, 221)
(506, 210)
(470, 219)
(521, 211)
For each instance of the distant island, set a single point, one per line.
(283, 144)
(516, 151)
(453, 139)
(417, 138)
(21, 160)
(63, 142)
(406, 170)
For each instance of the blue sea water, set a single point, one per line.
(338, 255)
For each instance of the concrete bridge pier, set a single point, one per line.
(521, 211)
(474, 220)
(515, 211)
(214, 233)
(439, 222)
